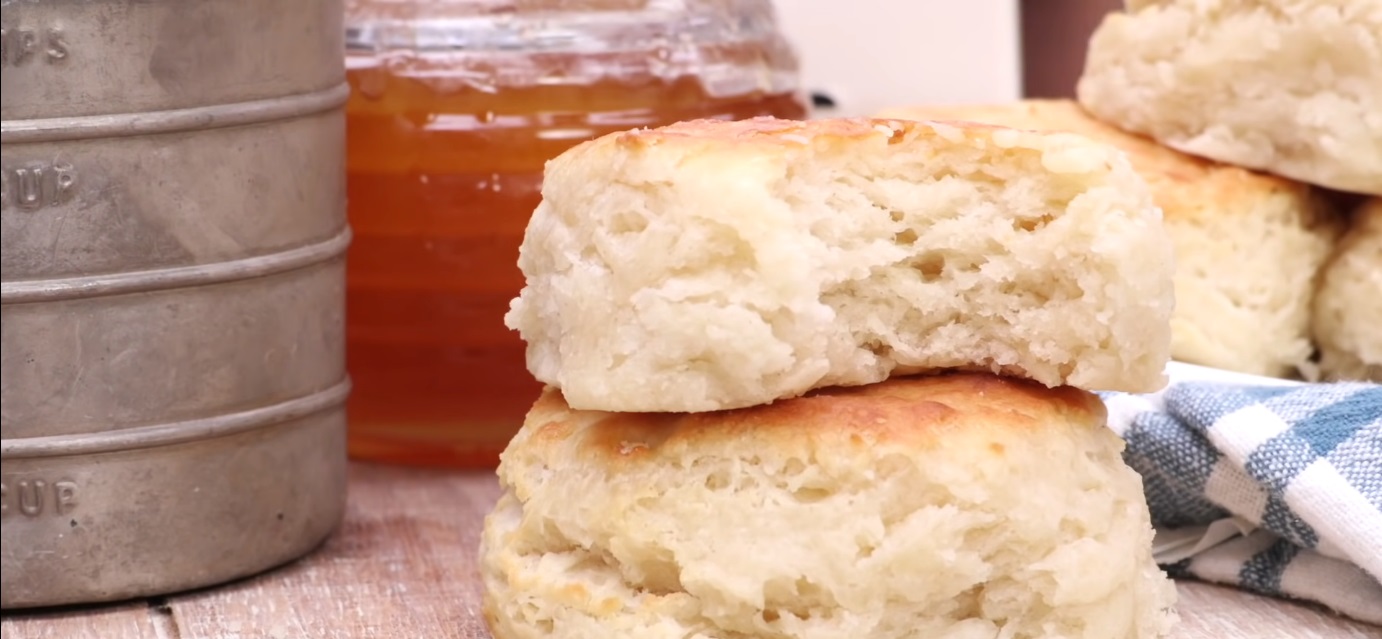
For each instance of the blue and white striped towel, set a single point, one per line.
(1275, 488)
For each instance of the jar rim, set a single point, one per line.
(562, 31)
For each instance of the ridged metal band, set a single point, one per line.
(191, 119)
(175, 432)
(52, 290)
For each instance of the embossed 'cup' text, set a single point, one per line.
(23, 46)
(36, 185)
(37, 497)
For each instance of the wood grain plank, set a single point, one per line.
(1213, 612)
(402, 565)
(124, 621)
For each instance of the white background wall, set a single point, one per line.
(870, 54)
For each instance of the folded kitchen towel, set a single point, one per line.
(1275, 488)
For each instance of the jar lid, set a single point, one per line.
(734, 46)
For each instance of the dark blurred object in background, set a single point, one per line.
(1054, 36)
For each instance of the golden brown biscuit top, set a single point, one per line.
(798, 132)
(772, 137)
(1183, 184)
(763, 133)
(918, 412)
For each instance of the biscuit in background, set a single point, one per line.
(1293, 87)
(711, 264)
(1348, 307)
(917, 507)
(1248, 245)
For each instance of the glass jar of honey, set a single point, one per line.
(456, 106)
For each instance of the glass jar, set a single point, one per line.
(456, 106)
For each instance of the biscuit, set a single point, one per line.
(1348, 306)
(1248, 245)
(916, 507)
(711, 265)
(1293, 87)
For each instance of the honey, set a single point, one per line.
(443, 173)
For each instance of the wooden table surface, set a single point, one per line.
(403, 565)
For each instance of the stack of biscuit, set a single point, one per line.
(1348, 304)
(1243, 116)
(831, 379)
